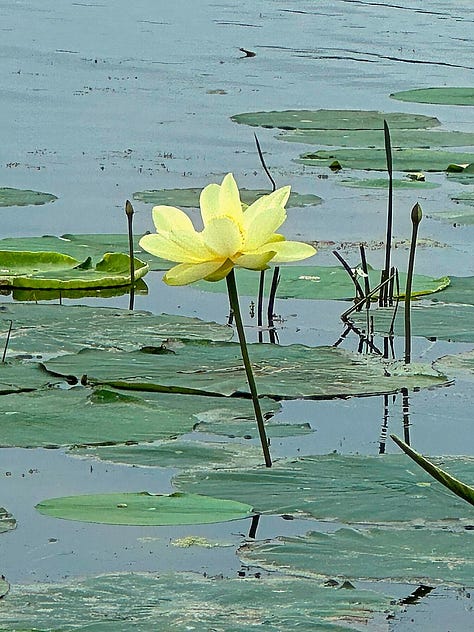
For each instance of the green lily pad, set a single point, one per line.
(53, 329)
(400, 138)
(459, 363)
(215, 368)
(382, 183)
(24, 197)
(353, 489)
(176, 454)
(437, 96)
(465, 175)
(4, 587)
(319, 282)
(77, 416)
(179, 602)
(437, 320)
(189, 198)
(54, 270)
(17, 377)
(7, 523)
(375, 159)
(405, 555)
(464, 198)
(144, 508)
(460, 290)
(248, 429)
(83, 246)
(33, 296)
(335, 119)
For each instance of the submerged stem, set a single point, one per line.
(234, 302)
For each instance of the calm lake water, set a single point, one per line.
(103, 99)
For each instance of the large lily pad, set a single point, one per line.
(180, 602)
(319, 282)
(83, 246)
(7, 523)
(58, 417)
(215, 368)
(375, 138)
(438, 96)
(248, 429)
(375, 159)
(189, 198)
(24, 197)
(405, 555)
(176, 454)
(382, 183)
(53, 329)
(460, 290)
(33, 296)
(433, 320)
(463, 174)
(335, 119)
(144, 508)
(22, 269)
(354, 489)
(459, 217)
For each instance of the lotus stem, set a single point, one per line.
(129, 213)
(416, 215)
(7, 342)
(271, 304)
(234, 302)
(383, 302)
(261, 287)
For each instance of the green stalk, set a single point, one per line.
(129, 213)
(234, 303)
(416, 215)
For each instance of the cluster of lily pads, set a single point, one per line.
(126, 387)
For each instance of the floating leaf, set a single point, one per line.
(24, 197)
(436, 320)
(83, 246)
(453, 484)
(404, 555)
(144, 508)
(53, 329)
(140, 289)
(189, 198)
(382, 183)
(354, 489)
(54, 270)
(375, 159)
(335, 119)
(58, 417)
(400, 138)
(179, 602)
(464, 175)
(7, 523)
(437, 96)
(462, 216)
(460, 290)
(319, 282)
(176, 454)
(215, 368)
(248, 429)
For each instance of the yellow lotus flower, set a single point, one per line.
(231, 236)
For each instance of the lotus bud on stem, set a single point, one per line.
(416, 215)
(129, 213)
(234, 302)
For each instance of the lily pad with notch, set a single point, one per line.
(144, 508)
(216, 369)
